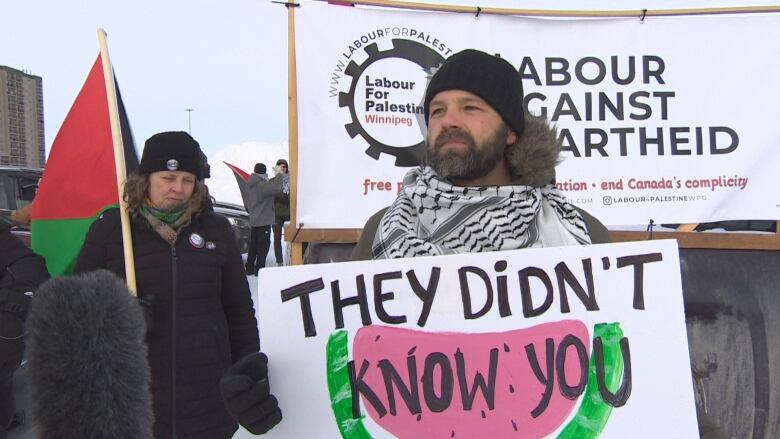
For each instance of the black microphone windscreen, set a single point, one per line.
(86, 359)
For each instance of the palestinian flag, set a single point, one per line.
(241, 179)
(79, 179)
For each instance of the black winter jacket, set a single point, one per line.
(21, 271)
(203, 315)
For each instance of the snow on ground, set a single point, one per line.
(270, 261)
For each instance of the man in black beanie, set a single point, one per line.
(260, 204)
(488, 183)
(487, 180)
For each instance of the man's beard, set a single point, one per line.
(466, 164)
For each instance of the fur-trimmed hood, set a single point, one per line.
(533, 157)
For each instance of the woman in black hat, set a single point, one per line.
(191, 281)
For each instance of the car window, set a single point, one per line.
(26, 193)
(5, 201)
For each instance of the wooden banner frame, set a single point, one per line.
(686, 237)
(296, 247)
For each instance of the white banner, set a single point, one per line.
(672, 118)
(586, 341)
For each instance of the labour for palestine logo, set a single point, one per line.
(380, 79)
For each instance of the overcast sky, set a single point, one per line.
(226, 60)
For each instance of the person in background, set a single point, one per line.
(260, 196)
(206, 167)
(206, 174)
(191, 283)
(21, 272)
(281, 210)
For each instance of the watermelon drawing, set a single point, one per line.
(520, 383)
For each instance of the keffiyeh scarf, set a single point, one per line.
(433, 217)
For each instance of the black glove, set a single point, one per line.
(147, 306)
(247, 396)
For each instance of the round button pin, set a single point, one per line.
(196, 240)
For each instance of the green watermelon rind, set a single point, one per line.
(594, 412)
(339, 388)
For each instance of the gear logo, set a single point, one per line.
(385, 99)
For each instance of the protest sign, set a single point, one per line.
(585, 341)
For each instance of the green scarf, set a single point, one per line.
(166, 221)
(173, 216)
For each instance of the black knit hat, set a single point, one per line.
(492, 78)
(171, 151)
(260, 168)
(282, 162)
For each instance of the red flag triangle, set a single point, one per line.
(241, 179)
(79, 178)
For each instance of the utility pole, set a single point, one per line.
(189, 119)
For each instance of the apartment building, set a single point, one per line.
(22, 142)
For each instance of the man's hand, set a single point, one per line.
(247, 396)
(278, 169)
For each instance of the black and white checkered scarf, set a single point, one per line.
(433, 217)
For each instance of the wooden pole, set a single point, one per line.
(296, 258)
(628, 13)
(119, 160)
(719, 241)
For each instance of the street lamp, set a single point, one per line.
(189, 119)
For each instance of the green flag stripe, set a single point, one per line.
(60, 241)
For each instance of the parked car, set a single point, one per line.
(17, 188)
(238, 217)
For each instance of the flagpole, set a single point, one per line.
(119, 161)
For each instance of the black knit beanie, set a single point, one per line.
(171, 151)
(492, 78)
(260, 168)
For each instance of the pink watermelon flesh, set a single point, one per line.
(517, 389)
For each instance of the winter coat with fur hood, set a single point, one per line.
(532, 160)
(203, 315)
